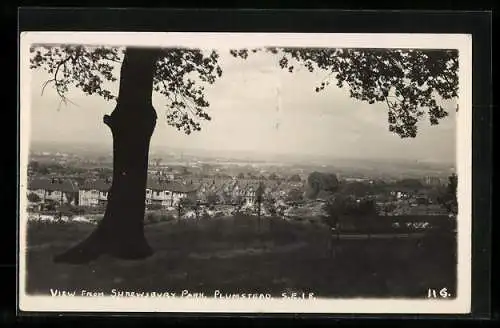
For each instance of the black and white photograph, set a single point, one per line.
(245, 172)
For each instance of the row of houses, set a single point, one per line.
(405, 207)
(244, 190)
(62, 191)
(163, 192)
(95, 192)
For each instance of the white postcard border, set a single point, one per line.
(462, 42)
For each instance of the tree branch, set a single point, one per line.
(45, 84)
(113, 60)
(56, 81)
(189, 104)
(327, 76)
(389, 104)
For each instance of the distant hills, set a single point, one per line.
(371, 166)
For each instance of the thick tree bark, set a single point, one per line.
(121, 231)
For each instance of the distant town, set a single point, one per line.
(74, 186)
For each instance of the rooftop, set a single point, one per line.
(159, 185)
(64, 185)
(100, 185)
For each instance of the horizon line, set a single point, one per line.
(245, 153)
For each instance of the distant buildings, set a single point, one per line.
(408, 203)
(432, 181)
(223, 190)
(227, 191)
(94, 193)
(354, 179)
(61, 191)
(168, 193)
(161, 173)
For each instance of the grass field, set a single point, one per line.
(238, 255)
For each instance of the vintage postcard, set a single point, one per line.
(245, 172)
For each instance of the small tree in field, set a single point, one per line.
(409, 82)
(185, 204)
(449, 199)
(271, 206)
(295, 178)
(317, 181)
(295, 195)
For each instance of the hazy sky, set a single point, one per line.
(256, 106)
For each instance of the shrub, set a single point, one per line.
(154, 207)
(151, 218)
(156, 217)
(34, 198)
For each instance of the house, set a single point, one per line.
(402, 195)
(57, 190)
(432, 181)
(166, 193)
(161, 173)
(94, 193)
(222, 189)
(227, 191)
(202, 194)
(249, 193)
(156, 193)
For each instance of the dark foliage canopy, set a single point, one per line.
(180, 77)
(361, 213)
(34, 198)
(449, 198)
(295, 195)
(410, 82)
(318, 181)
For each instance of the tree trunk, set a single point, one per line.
(132, 122)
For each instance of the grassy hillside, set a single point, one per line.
(238, 255)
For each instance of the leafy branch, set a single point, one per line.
(415, 79)
(180, 75)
